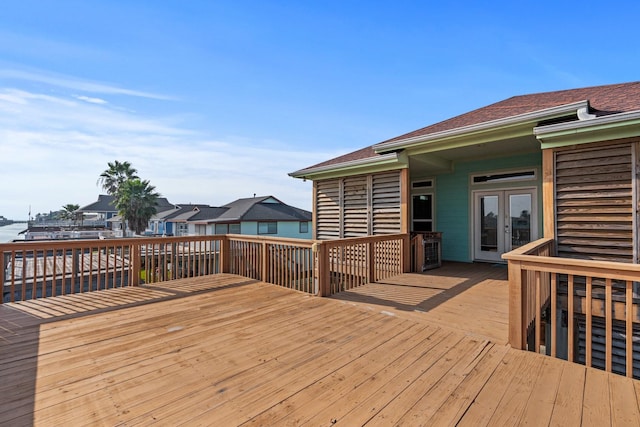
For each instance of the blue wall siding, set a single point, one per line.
(453, 200)
(290, 229)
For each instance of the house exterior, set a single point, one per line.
(264, 215)
(559, 164)
(104, 210)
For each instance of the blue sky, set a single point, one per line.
(216, 100)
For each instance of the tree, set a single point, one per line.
(112, 179)
(69, 212)
(118, 172)
(136, 203)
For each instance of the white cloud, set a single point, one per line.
(76, 84)
(90, 99)
(53, 148)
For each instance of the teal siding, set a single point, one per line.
(289, 229)
(454, 200)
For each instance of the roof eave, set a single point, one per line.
(604, 128)
(491, 125)
(388, 161)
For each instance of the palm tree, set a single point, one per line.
(112, 179)
(69, 212)
(136, 202)
(118, 172)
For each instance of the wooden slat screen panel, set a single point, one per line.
(328, 210)
(355, 207)
(594, 199)
(358, 206)
(386, 203)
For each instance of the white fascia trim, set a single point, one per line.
(384, 158)
(603, 120)
(520, 118)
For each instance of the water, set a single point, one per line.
(9, 233)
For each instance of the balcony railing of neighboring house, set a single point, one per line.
(580, 310)
(42, 269)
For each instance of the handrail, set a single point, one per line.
(37, 269)
(592, 296)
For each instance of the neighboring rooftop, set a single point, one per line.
(106, 203)
(262, 208)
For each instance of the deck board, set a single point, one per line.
(225, 350)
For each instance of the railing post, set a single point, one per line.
(371, 273)
(406, 253)
(264, 267)
(516, 311)
(225, 255)
(5, 266)
(321, 271)
(135, 255)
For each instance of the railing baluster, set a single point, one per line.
(570, 311)
(589, 321)
(554, 309)
(609, 325)
(538, 311)
(629, 328)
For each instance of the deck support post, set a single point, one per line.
(406, 253)
(322, 270)
(225, 255)
(134, 253)
(517, 337)
(371, 270)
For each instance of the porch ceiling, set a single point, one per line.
(440, 161)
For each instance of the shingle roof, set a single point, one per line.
(603, 100)
(106, 203)
(263, 208)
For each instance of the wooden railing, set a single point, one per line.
(41, 269)
(283, 262)
(348, 263)
(580, 310)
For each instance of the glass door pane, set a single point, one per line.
(489, 223)
(520, 220)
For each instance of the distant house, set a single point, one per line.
(101, 210)
(264, 215)
(180, 221)
(104, 210)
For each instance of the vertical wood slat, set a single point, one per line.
(629, 328)
(554, 315)
(589, 321)
(53, 273)
(13, 276)
(34, 286)
(570, 326)
(538, 311)
(609, 326)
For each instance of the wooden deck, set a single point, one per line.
(226, 350)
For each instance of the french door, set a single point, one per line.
(503, 221)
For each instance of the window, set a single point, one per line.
(267, 227)
(422, 184)
(222, 228)
(234, 229)
(525, 175)
(422, 212)
(304, 227)
(183, 229)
